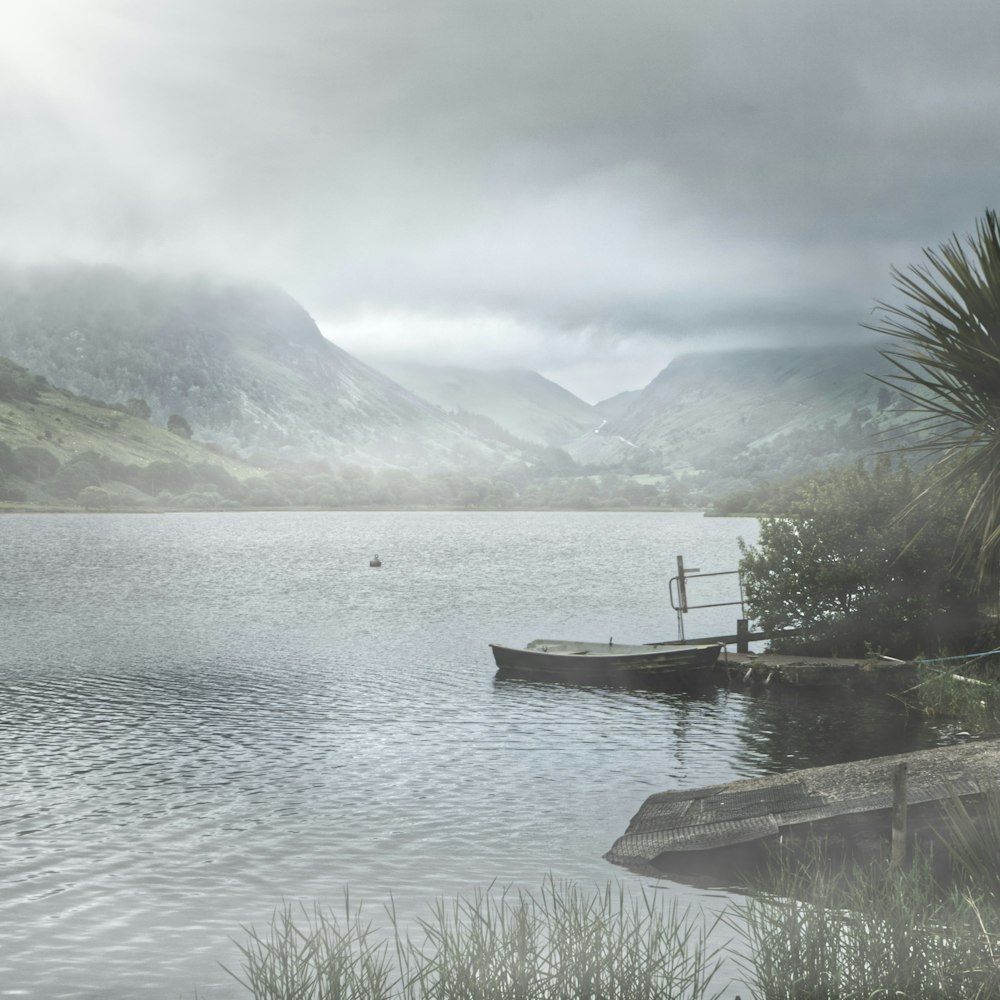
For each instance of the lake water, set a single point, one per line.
(203, 715)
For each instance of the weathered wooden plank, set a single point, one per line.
(718, 816)
(647, 846)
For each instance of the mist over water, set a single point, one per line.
(203, 715)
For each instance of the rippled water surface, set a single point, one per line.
(205, 714)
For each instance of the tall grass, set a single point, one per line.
(971, 696)
(972, 836)
(317, 955)
(828, 927)
(864, 933)
(563, 943)
(822, 926)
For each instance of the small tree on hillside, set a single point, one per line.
(138, 408)
(176, 424)
(8, 460)
(94, 498)
(34, 463)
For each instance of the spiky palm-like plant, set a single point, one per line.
(948, 368)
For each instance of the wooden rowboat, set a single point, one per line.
(603, 662)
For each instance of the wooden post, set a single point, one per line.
(742, 632)
(682, 594)
(898, 854)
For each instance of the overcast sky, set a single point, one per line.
(584, 188)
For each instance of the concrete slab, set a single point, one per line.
(720, 816)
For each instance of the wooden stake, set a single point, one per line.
(742, 636)
(898, 854)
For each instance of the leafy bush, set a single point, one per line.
(850, 573)
(34, 463)
(176, 424)
(16, 384)
(94, 498)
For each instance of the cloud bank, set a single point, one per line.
(573, 186)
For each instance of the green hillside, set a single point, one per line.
(54, 445)
(34, 413)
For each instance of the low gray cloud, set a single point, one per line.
(592, 175)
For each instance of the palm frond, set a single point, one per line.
(947, 368)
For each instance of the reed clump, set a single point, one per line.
(971, 835)
(866, 933)
(820, 926)
(970, 693)
(562, 943)
(831, 928)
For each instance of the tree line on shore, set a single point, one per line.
(32, 474)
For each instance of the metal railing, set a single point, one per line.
(679, 600)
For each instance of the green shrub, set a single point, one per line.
(846, 570)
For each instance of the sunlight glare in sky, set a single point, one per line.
(27, 49)
(63, 52)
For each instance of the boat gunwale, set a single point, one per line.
(596, 650)
(661, 659)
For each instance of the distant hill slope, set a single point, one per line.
(747, 415)
(245, 365)
(522, 402)
(34, 413)
(615, 406)
(59, 449)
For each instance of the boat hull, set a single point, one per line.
(607, 662)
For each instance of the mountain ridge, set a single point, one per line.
(522, 402)
(250, 371)
(749, 413)
(244, 364)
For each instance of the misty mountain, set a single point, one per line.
(62, 451)
(749, 415)
(615, 406)
(522, 402)
(245, 365)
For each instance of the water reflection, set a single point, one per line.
(664, 692)
(789, 728)
(204, 714)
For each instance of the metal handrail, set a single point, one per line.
(681, 605)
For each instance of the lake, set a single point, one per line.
(204, 715)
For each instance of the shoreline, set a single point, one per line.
(70, 509)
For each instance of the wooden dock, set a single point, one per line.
(878, 674)
(674, 831)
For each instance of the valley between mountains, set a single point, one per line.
(231, 396)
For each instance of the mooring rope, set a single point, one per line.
(965, 656)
